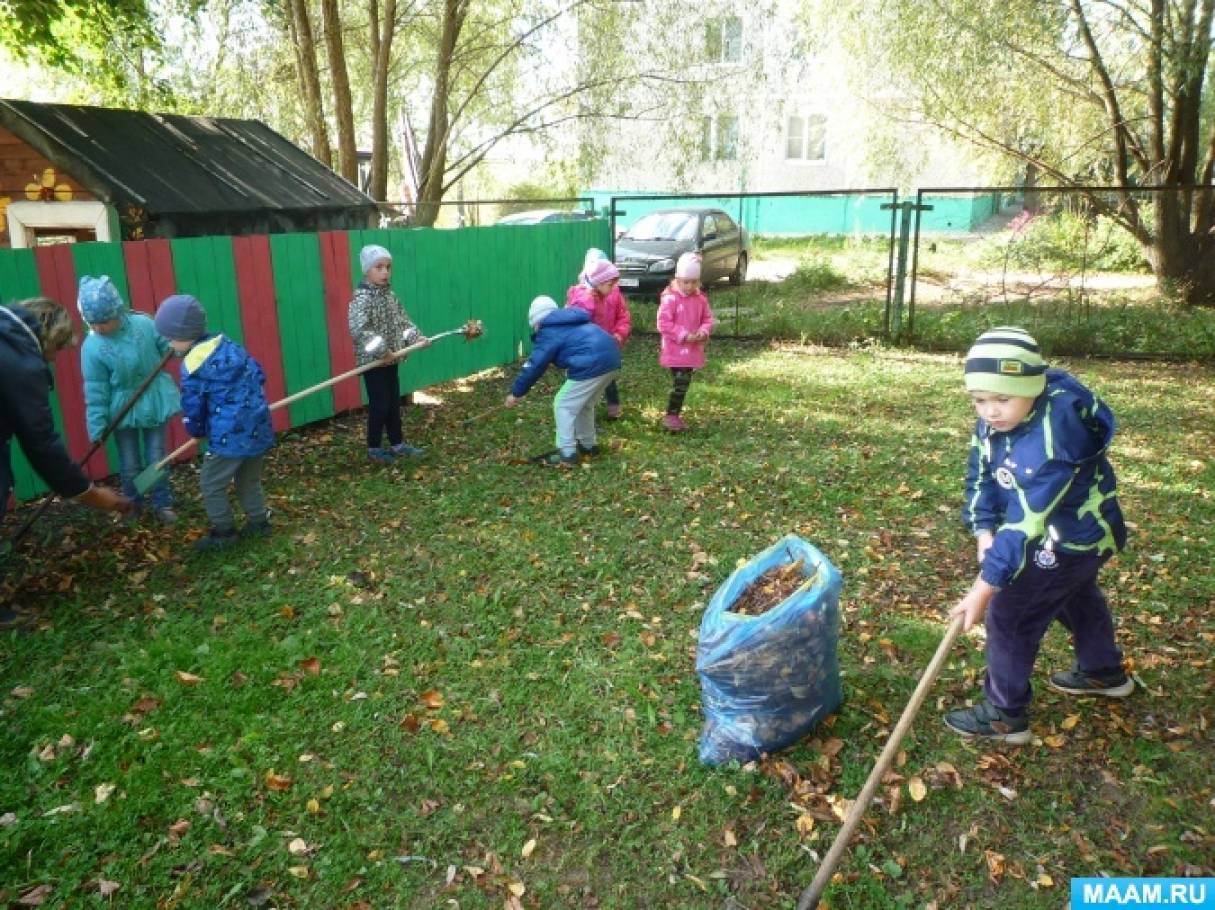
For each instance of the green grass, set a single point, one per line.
(430, 666)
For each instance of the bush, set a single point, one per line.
(1068, 242)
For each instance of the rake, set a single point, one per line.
(473, 328)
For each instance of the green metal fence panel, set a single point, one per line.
(204, 268)
(298, 288)
(18, 281)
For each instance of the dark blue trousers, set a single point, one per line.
(1052, 586)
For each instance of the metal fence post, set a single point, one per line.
(894, 312)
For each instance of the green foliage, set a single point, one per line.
(531, 190)
(1071, 242)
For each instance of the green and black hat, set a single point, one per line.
(1006, 360)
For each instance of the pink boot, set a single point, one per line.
(674, 423)
(613, 412)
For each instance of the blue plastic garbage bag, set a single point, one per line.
(766, 680)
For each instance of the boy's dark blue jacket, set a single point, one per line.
(1045, 485)
(222, 398)
(569, 339)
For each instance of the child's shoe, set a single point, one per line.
(166, 517)
(1076, 682)
(557, 460)
(589, 451)
(257, 528)
(613, 412)
(405, 450)
(986, 721)
(674, 423)
(215, 540)
(383, 456)
(9, 617)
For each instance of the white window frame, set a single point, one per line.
(717, 27)
(805, 117)
(26, 217)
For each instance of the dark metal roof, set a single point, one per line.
(171, 164)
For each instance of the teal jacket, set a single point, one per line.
(115, 365)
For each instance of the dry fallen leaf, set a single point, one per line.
(35, 897)
(676, 812)
(298, 847)
(106, 888)
(528, 848)
(729, 839)
(1055, 742)
(22, 692)
(433, 699)
(278, 782)
(310, 665)
(805, 824)
(299, 871)
(187, 679)
(1070, 721)
(102, 792)
(915, 787)
(313, 807)
(517, 888)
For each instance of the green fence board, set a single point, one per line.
(204, 267)
(298, 288)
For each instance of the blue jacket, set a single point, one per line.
(25, 409)
(1045, 485)
(114, 365)
(570, 340)
(222, 398)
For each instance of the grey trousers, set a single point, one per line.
(219, 471)
(574, 411)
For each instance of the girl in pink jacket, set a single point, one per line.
(598, 292)
(684, 322)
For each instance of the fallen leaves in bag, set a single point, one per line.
(770, 589)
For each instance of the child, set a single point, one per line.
(379, 326)
(684, 322)
(1041, 502)
(598, 292)
(591, 359)
(223, 402)
(116, 357)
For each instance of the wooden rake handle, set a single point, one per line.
(386, 360)
(810, 897)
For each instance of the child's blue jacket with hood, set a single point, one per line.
(222, 398)
(1045, 486)
(570, 340)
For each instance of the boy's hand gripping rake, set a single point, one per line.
(473, 328)
(810, 897)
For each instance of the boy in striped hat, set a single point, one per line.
(1041, 502)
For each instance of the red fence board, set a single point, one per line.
(57, 276)
(150, 279)
(335, 266)
(259, 316)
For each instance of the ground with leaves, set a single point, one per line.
(466, 681)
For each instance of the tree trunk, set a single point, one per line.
(1183, 262)
(343, 108)
(434, 156)
(381, 44)
(305, 68)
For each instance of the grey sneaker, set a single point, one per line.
(1076, 682)
(986, 721)
(166, 517)
(405, 450)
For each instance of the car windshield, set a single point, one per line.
(664, 226)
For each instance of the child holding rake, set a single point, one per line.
(1041, 502)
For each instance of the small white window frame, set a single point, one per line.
(25, 217)
(806, 117)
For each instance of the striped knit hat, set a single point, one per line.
(1006, 360)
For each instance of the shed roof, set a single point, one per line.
(172, 164)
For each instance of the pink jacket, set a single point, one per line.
(610, 313)
(679, 316)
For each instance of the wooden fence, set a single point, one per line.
(284, 297)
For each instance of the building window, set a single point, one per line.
(723, 40)
(806, 138)
(719, 138)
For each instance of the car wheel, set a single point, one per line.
(739, 275)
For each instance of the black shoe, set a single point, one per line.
(1076, 682)
(9, 617)
(987, 721)
(557, 460)
(215, 540)
(256, 529)
(588, 451)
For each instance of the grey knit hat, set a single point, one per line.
(181, 318)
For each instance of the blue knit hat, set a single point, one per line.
(181, 318)
(98, 299)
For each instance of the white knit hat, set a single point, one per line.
(688, 266)
(540, 308)
(371, 254)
